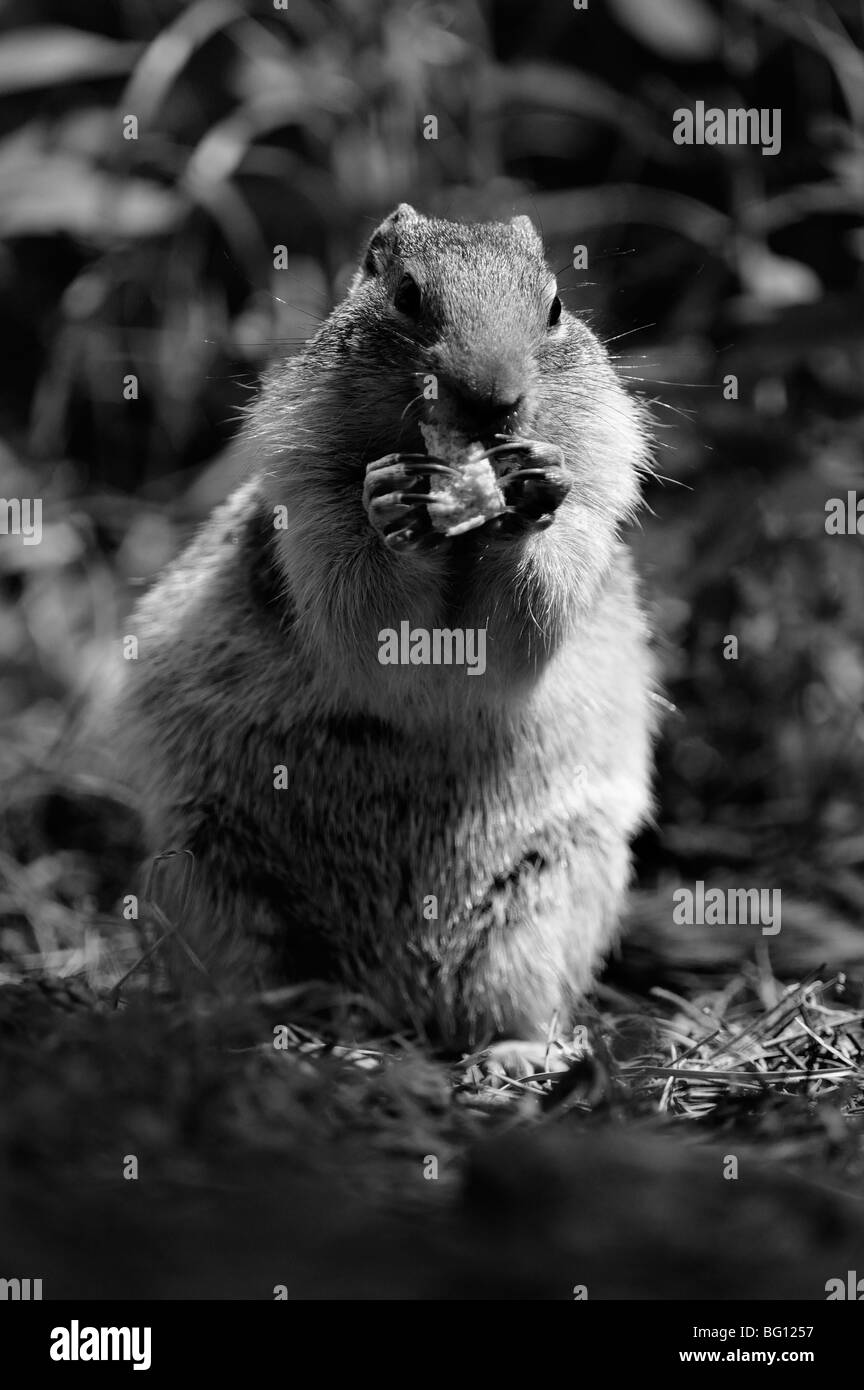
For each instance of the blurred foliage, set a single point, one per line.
(300, 127)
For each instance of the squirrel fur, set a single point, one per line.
(504, 803)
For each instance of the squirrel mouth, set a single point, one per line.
(457, 448)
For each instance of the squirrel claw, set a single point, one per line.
(412, 537)
(534, 480)
(535, 494)
(402, 521)
(535, 453)
(395, 472)
(396, 493)
(513, 523)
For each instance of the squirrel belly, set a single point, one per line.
(453, 845)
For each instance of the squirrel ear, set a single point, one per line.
(525, 228)
(404, 214)
(384, 241)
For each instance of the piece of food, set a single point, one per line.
(470, 495)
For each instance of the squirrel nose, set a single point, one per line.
(488, 413)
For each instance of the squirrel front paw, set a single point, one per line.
(416, 501)
(534, 481)
(396, 497)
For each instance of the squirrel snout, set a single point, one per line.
(485, 383)
(481, 412)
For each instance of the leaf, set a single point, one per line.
(685, 30)
(537, 88)
(49, 56)
(776, 281)
(62, 193)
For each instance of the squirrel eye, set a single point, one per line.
(407, 298)
(554, 311)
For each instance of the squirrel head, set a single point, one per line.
(472, 308)
(458, 326)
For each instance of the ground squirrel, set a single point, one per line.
(455, 848)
